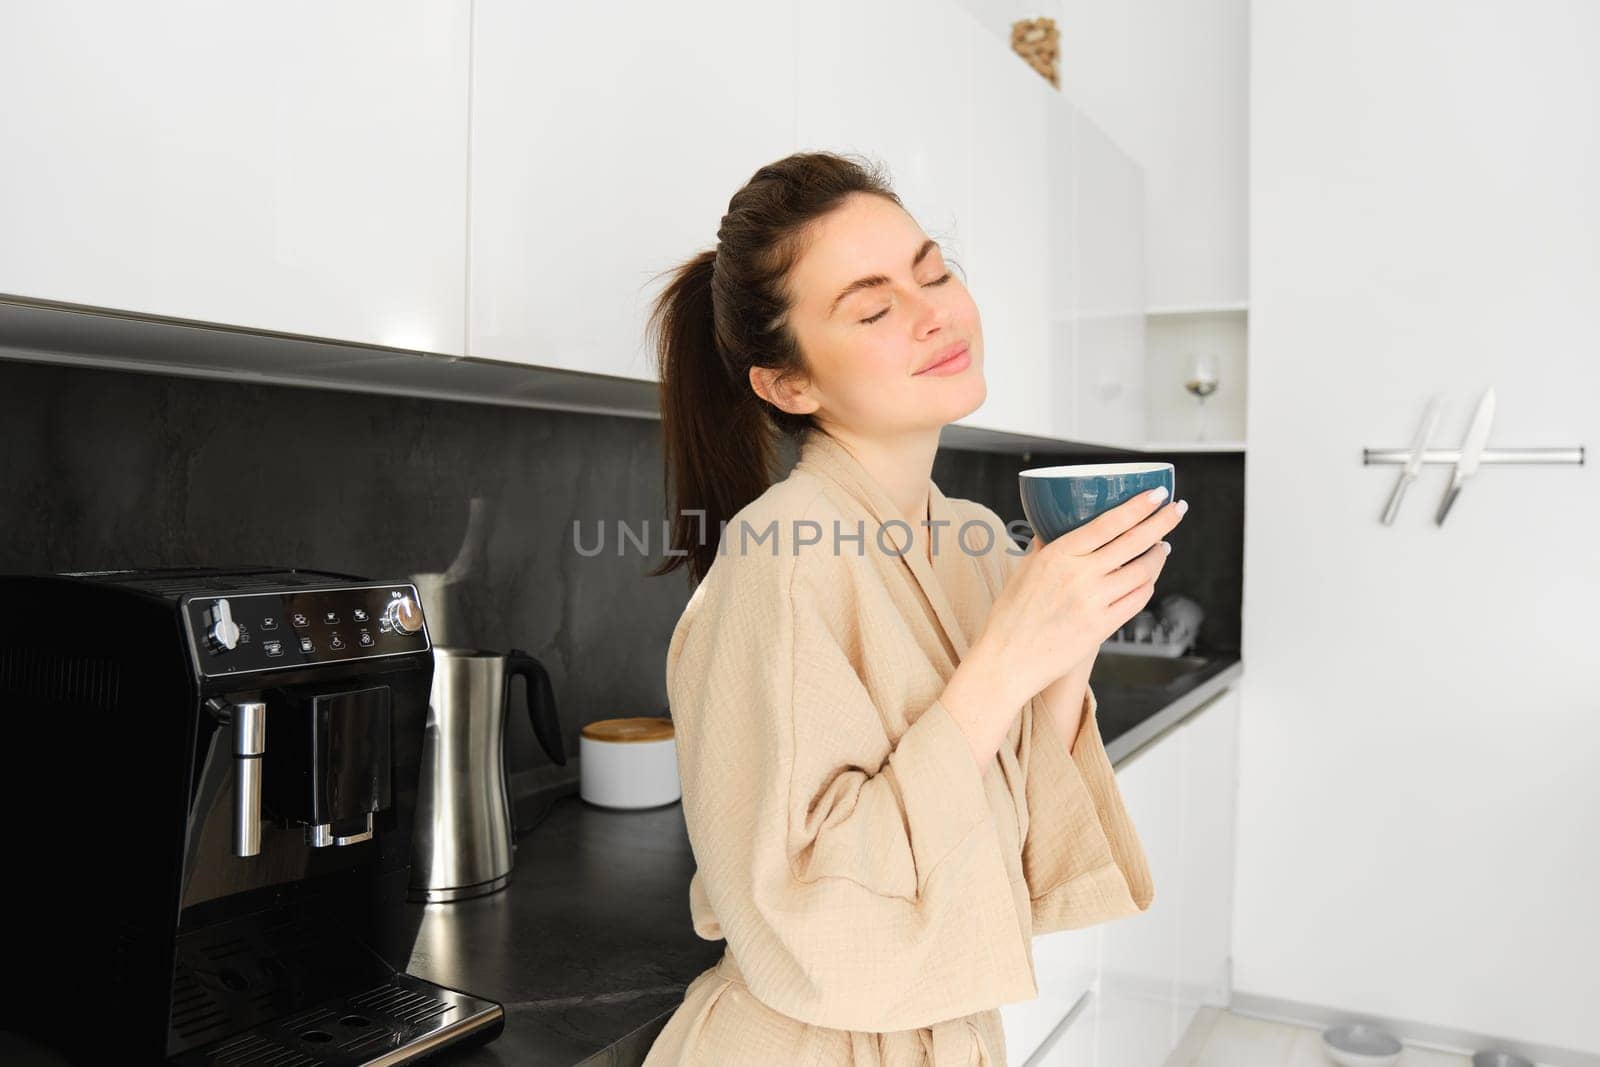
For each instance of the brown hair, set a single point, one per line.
(725, 311)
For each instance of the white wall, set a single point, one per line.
(1420, 744)
(1168, 80)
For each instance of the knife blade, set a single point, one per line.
(1471, 449)
(1430, 419)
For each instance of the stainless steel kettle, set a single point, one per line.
(462, 839)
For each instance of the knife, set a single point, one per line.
(1430, 419)
(1471, 449)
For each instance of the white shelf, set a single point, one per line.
(1194, 446)
(1193, 310)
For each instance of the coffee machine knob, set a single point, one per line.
(224, 631)
(403, 615)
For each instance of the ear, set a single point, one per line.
(791, 395)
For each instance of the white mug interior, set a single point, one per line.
(1091, 470)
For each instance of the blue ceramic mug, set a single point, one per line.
(1059, 499)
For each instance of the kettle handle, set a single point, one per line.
(541, 702)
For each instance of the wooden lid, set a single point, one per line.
(638, 728)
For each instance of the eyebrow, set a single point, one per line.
(873, 280)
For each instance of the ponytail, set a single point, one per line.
(719, 446)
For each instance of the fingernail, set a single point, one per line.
(1182, 506)
(1167, 546)
(1158, 493)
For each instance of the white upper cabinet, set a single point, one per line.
(1108, 368)
(890, 80)
(1065, 964)
(1061, 128)
(293, 166)
(606, 142)
(517, 181)
(1008, 257)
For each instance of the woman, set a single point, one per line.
(892, 774)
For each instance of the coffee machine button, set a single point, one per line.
(306, 645)
(365, 640)
(268, 622)
(403, 615)
(359, 615)
(335, 642)
(224, 631)
(330, 618)
(299, 618)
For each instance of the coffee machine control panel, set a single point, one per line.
(235, 633)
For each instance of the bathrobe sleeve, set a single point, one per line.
(1081, 855)
(860, 885)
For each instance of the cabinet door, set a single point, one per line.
(1110, 305)
(1008, 258)
(1065, 963)
(607, 140)
(1139, 954)
(1209, 782)
(890, 80)
(1061, 125)
(294, 166)
(1073, 1047)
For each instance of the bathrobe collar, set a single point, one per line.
(825, 456)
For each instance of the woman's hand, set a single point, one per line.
(1066, 597)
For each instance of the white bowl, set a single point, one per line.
(1359, 1045)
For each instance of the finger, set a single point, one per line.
(1131, 603)
(1137, 541)
(1107, 525)
(1140, 571)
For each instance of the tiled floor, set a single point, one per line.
(1222, 1039)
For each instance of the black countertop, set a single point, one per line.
(590, 947)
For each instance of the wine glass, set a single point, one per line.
(1202, 382)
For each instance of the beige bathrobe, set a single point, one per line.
(878, 891)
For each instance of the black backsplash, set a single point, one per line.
(1207, 561)
(105, 469)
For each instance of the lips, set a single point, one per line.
(944, 356)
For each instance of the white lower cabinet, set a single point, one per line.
(1148, 974)
(1139, 954)
(1074, 1046)
(1210, 758)
(1065, 963)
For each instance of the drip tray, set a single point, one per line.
(399, 1021)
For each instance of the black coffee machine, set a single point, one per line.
(211, 781)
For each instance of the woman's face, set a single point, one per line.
(875, 304)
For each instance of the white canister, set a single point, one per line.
(628, 763)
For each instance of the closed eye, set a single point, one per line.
(940, 280)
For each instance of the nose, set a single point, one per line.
(932, 314)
